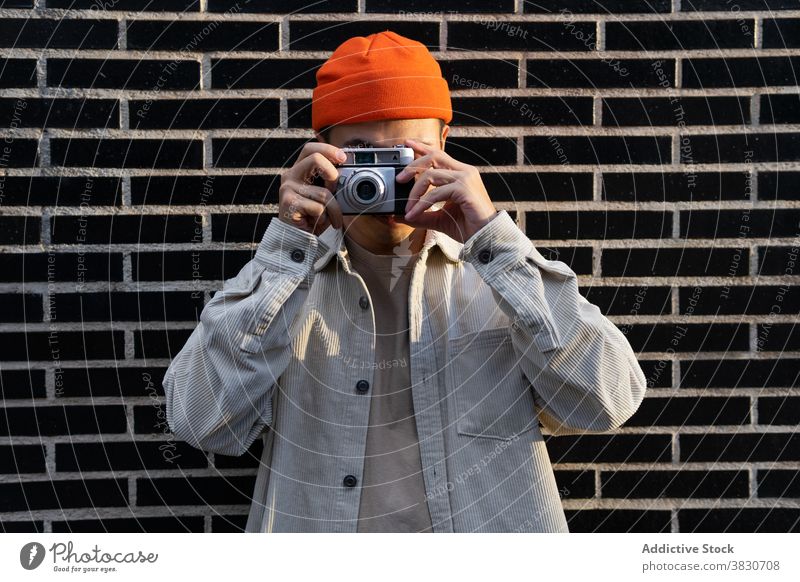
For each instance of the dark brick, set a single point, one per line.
(204, 114)
(676, 111)
(738, 300)
(119, 229)
(17, 73)
(537, 186)
(66, 494)
(192, 36)
(319, 35)
(250, 152)
(127, 153)
(128, 456)
(781, 33)
(207, 189)
(778, 185)
(717, 5)
(779, 410)
(22, 458)
(692, 411)
(742, 148)
(740, 72)
(657, 372)
(20, 308)
(21, 384)
(142, 74)
(127, 306)
(739, 520)
(228, 523)
(691, 337)
(596, 6)
(741, 447)
(713, 224)
(465, 74)
(527, 36)
(202, 491)
(16, 3)
(230, 228)
(680, 35)
(112, 382)
(55, 33)
(170, 524)
(63, 345)
(20, 153)
(684, 484)
(186, 265)
(575, 484)
(778, 337)
(264, 73)
(62, 191)
(7, 526)
(283, 6)
(777, 260)
(67, 113)
(132, 5)
(780, 109)
(732, 373)
(478, 151)
(31, 267)
(525, 111)
(676, 186)
(599, 224)
(778, 483)
(618, 448)
(620, 300)
(602, 149)
(62, 420)
(674, 262)
(618, 521)
(160, 343)
(579, 259)
(20, 230)
(443, 6)
(600, 74)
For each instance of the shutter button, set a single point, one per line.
(297, 255)
(349, 481)
(363, 302)
(485, 256)
(362, 386)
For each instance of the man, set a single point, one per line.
(397, 367)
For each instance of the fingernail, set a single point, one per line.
(341, 155)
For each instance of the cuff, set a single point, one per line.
(497, 246)
(287, 249)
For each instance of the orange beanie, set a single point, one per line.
(380, 76)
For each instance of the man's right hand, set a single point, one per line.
(302, 204)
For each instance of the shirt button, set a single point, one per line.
(485, 256)
(349, 481)
(297, 255)
(362, 386)
(363, 302)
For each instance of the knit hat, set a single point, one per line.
(380, 76)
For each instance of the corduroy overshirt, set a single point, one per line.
(501, 341)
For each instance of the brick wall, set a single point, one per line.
(651, 145)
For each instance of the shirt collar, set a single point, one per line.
(333, 239)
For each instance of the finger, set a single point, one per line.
(333, 153)
(432, 197)
(431, 177)
(430, 220)
(430, 157)
(333, 210)
(299, 207)
(315, 164)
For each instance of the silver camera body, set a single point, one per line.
(366, 183)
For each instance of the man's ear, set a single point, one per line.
(318, 137)
(445, 133)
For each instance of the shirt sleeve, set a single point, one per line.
(583, 371)
(219, 387)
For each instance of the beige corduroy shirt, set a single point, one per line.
(500, 340)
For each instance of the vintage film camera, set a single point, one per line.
(366, 183)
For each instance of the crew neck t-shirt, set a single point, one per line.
(393, 490)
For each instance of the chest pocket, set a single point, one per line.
(493, 398)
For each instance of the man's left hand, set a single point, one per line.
(467, 205)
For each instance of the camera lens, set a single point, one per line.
(366, 190)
